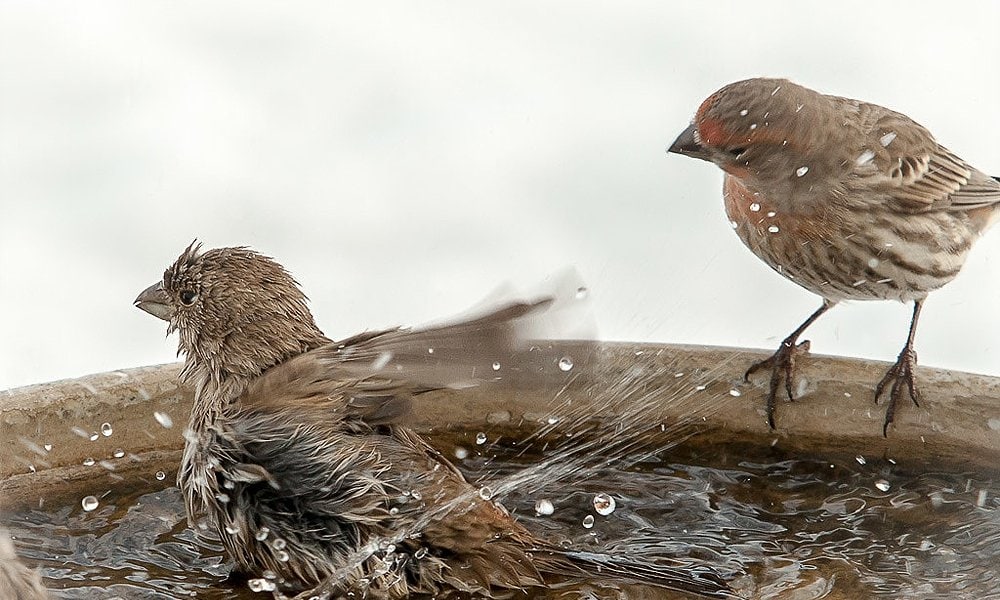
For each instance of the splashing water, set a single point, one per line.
(794, 522)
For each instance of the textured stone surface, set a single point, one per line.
(622, 389)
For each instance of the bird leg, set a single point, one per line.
(901, 374)
(782, 362)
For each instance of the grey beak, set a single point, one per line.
(687, 144)
(155, 301)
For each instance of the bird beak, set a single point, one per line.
(155, 301)
(688, 145)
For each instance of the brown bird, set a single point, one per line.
(297, 455)
(17, 582)
(850, 200)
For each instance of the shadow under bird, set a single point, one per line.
(298, 455)
(848, 199)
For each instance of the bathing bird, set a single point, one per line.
(298, 456)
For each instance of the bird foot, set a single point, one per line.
(900, 375)
(782, 367)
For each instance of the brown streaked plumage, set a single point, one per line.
(297, 454)
(848, 199)
(17, 582)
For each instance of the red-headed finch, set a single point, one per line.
(297, 455)
(850, 200)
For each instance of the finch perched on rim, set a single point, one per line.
(297, 451)
(850, 200)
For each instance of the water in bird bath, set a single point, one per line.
(780, 524)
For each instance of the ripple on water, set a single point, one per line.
(787, 522)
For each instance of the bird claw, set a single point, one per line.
(901, 377)
(782, 366)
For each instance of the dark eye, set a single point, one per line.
(737, 151)
(188, 297)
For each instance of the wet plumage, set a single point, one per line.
(17, 582)
(297, 454)
(848, 199)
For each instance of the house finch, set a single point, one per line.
(17, 582)
(296, 453)
(850, 200)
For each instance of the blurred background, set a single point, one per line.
(404, 159)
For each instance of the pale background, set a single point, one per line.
(402, 159)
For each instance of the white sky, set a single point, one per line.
(402, 159)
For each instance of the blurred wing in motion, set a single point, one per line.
(374, 375)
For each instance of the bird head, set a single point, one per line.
(764, 132)
(235, 309)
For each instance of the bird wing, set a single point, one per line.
(374, 376)
(919, 175)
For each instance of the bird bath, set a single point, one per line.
(823, 507)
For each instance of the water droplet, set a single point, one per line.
(279, 544)
(552, 420)
(430, 351)
(753, 126)
(420, 553)
(544, 507)
(887, 139)
(160, 475)
(106, 430)
(588, 521)
(95, 436)
(882, 485)
(496, 366)
(89, 503)
(864, 158)
(485, 493)
(773, 229)
(565, 363)
(262, 533)
(119, 453)
(232, 530)
(801, 171)
(861, 459)
(381, 360)
(733, 224)
(480, 438)
(771, 213)
(735, 393)
(754, 207)
(89, 462)
(744, 112)
(394, 511)
(163, 419)
(604, 504)
(48, 447)
(282, 556)
(415, 495)
(222, 498)
(260, 585)
(461, 453)
(873, 262)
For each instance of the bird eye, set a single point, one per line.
(737, 151)
(188, 297)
